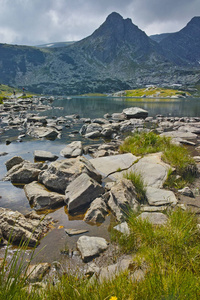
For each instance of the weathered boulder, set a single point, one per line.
(89, 128)
(122, 198)
(135, 112)
(44, 155)
(43, 132)
(158, 197)
(73, 149)
(60, 173)
(91, 247)
(40, 198)
(18, 228)
(156, 218)
(97, 211)
(37, 272)
(118, 116)
(35, 119)
(93, 135)
(81, 192)
(152, 169)
(16, 160)
(186, 191)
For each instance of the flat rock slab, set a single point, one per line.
(157, 197)
(152, 169)
(110, 164)
(81, 192)
(44, 155)
(180, 134)
(155, 218)
(135, 112)
(41, 198)
(75, 231)
(91, 247)
(73, 149)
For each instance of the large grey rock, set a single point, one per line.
(44, 155)
(97, 211)
(158, 197)
(152, 169)
(93, 135)
(110, 164)
(36, 119)
(16, 160)
(81, 192)
(156, 218)
(118, 116)
(135, 112)
(60, 173)
(123, 228)
(43, 132)
(40, 198)
(18, 228)
(122, 198)
(89, 128)
(91, 247)
(73, 149)
(186, 191)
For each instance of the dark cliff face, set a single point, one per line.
(115, 36)
(183, 47)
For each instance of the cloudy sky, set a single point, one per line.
(34, 22)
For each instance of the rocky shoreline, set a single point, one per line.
(90, 178)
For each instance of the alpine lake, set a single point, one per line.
(54, 244)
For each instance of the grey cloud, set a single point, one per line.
(34, 21)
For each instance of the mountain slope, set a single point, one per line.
(183, 47)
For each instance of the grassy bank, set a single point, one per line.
(155, 92)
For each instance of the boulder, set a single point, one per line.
(89, 128)
(118, 116)
(91, 247)
(60, 173)
(135, 112)
(40, 198)
(73, 149)
(158, 197)
(186, 191)
(43, 132)
(122, 198)
(180, 134)
(155, 218)
(97, 211)
(81, 192)
(36, 119)
(93, 135)
(16, 160)
(18, 228)
(44, 155)
(152, 169)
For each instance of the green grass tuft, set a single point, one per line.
(139, 185)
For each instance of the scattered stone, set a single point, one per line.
(43, 132)
(81, 192)
(44, 155)
(71, 232)
(16, 160)
(156, 218)
(3, 153)
(37, 272)
(96, 212)
(158, 197)
(40, 198)
(123, 228)
(73, 149)
(91, 247)
(186, 191)
(92, 269)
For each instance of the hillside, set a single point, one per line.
(117, 56)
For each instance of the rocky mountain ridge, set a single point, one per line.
(117, 56)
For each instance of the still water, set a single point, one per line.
(14, 198)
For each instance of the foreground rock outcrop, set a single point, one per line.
(17, 228)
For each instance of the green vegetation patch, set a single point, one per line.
(139, 185)
(155, 92)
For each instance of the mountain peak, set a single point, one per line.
(114, 16)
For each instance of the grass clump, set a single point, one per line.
(177, 156)
(139, 185)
